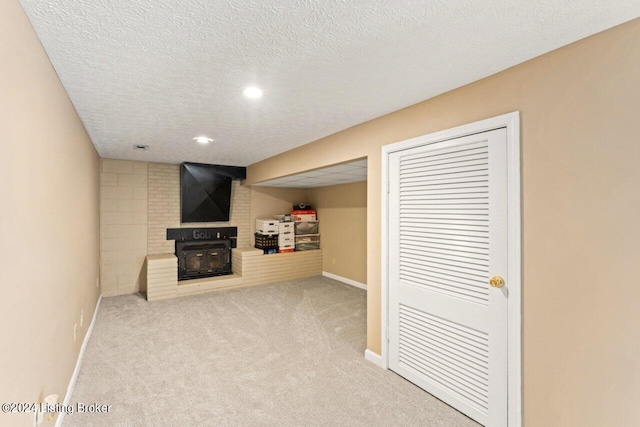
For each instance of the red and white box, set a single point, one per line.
(303, 215)
(287, 247)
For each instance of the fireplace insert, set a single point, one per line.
(203, 258)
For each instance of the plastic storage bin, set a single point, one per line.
(306, 227)
(307, 246)
(263, 242)
(307, 242)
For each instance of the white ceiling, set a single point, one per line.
(333, 175)
(162, 72)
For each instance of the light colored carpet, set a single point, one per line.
(284, 354)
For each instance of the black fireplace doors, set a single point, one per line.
(203, 258)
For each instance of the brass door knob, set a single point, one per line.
(496, 282)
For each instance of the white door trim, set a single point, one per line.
(511, 122)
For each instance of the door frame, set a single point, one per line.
(511, 122)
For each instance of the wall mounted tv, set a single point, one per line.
(205, 191)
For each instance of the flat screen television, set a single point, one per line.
(205, 193)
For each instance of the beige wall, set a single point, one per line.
(49, 246)
(580, 155)
(342, 211)
(123, 226)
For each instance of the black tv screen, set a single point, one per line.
(205, 193)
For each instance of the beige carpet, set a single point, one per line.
(288, 354)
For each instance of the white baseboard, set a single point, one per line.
(345, 280)
(76, 371)
(373, 357)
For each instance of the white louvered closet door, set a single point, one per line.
(447, 238)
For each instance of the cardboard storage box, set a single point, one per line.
(303, 215)
(286, 240)
(288, 237)
(267, 226)
(285, 227)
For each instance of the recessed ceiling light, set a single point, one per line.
(203, 139)
(253, 92)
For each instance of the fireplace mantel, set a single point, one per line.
(204, 233)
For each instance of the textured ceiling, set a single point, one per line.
(333, 175)
(162, 72)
